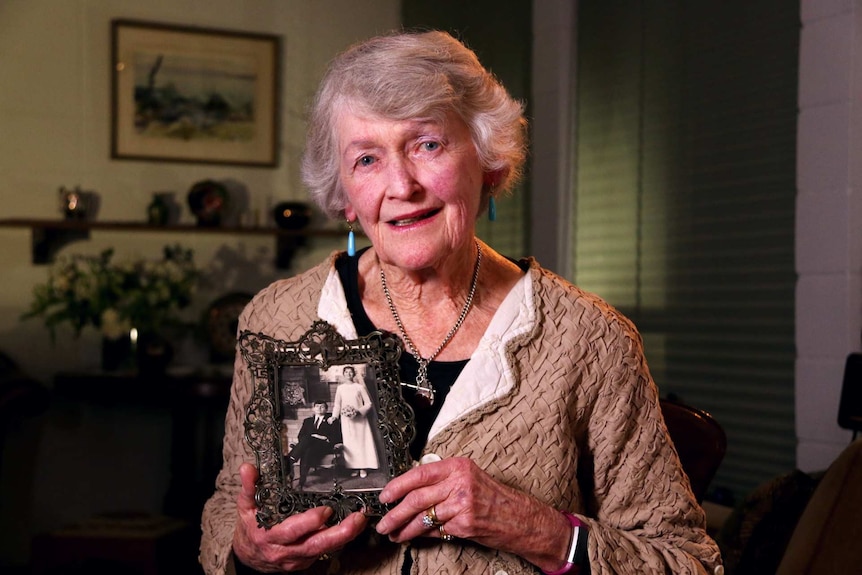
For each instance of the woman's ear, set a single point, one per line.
(349, 213)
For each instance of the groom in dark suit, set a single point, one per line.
(317, 438)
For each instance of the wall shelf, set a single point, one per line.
(48, 236)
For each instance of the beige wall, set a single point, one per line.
(55, 131)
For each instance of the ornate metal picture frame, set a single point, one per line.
(326, 421)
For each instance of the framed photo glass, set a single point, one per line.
(187, 94)
(326, 421)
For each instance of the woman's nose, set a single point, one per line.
(402, 178)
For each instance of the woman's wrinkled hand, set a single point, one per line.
(295, 543)
(470, 504)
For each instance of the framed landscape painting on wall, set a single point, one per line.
(189, 94)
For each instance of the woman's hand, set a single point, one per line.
(295, 543)
(470, 504)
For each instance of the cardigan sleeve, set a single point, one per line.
(643, 516)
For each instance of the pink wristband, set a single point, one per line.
(577, 526)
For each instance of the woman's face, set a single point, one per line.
(414, 185)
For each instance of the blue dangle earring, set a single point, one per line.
(351, 240)
(492, 209)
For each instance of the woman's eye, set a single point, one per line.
(366, 160)
(430, 146)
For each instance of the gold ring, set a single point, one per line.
(443, 535)
(430, 520)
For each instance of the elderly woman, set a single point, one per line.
(542, 443)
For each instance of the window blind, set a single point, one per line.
(684, 205)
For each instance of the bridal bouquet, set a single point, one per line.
(348, 411)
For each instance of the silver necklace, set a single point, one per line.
(423, 386)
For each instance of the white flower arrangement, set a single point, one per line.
(114, 297)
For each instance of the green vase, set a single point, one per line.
(158, 211)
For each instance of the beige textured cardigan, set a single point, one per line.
(556, 401)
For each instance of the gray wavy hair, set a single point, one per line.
(408, 75)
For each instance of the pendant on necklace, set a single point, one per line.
(426, 394)
(424, 388)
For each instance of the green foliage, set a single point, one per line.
(114, 297)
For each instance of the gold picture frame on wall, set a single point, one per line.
(355, 384)
(188, 94)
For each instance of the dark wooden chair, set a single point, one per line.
(700, 442)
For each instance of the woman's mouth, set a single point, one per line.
(413, 219)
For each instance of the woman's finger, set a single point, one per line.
(421, 476)
(248, 476)
(298, 528)
(422, 524)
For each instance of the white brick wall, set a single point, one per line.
(828, 234)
